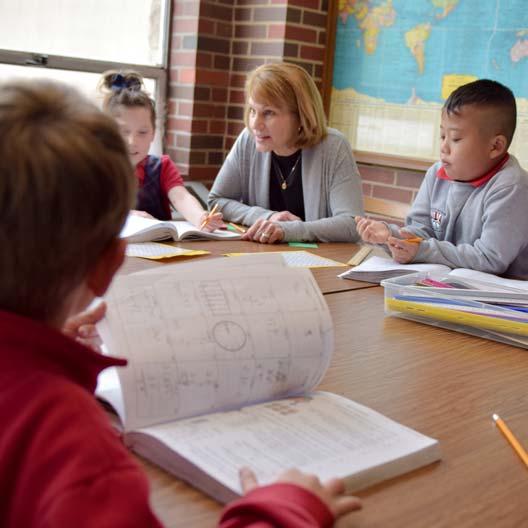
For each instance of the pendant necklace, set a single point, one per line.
(284, 182)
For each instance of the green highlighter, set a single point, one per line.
(303, 244)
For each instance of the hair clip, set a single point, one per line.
(119, 82)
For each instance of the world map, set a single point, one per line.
(396, 61)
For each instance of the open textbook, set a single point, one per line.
(223, 361)
(140, 229)
(375, 269)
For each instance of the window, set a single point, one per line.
(76, 40)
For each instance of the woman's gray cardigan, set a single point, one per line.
(331, 189)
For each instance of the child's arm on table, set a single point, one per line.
(295, 500)
(186, 204)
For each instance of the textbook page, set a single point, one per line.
(188, 231)
(377, 268)
(207, 339)
(503, 284)
(321, 433)
(140, 229)
(108, 387)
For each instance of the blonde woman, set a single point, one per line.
(288, 176)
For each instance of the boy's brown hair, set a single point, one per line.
(288, 85)
(66, 186)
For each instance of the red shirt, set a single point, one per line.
(61, 462)
(279, 505)
(169, 177)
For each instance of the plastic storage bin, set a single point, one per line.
(484, 311)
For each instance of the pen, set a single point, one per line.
(505, 430)
(213, 211)
(237, 228)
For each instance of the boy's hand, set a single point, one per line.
(212, 221)
(402, 251)
(332, 493)
(372, 231)
(81, 326)
(265, 232)
(283, 216)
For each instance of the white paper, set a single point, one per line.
(208, 339)
(306, 259)
(377, 268)
(504, 284)
(323, 434)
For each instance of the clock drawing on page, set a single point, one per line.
(229, 335)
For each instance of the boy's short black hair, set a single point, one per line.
(490, 94)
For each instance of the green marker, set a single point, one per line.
(303, 244)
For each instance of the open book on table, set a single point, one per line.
(375, 269)
(140, 229)
(223, 361)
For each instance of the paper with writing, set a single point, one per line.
(200, 344)
(321, 433)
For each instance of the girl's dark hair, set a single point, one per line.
(125, 88)
(487, 94)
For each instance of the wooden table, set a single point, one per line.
(441, 383)
(326, 277)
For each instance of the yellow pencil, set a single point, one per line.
(213, 211)
(505, 430)
(237, 228)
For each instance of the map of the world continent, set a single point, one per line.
(396, 61)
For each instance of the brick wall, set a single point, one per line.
(387, 183)
(214, 44)
(391, 185)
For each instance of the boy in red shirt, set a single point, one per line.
(66, 186)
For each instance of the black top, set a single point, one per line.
(286, 190)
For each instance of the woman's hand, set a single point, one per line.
(265, 232)
(81, 326)
(283, 216)
(332, 493)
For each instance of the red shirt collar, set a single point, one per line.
(34, 345)
(481, 180)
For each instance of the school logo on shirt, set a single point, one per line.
(436, 219)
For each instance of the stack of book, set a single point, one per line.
(463, 300)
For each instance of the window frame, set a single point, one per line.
(77, 64)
